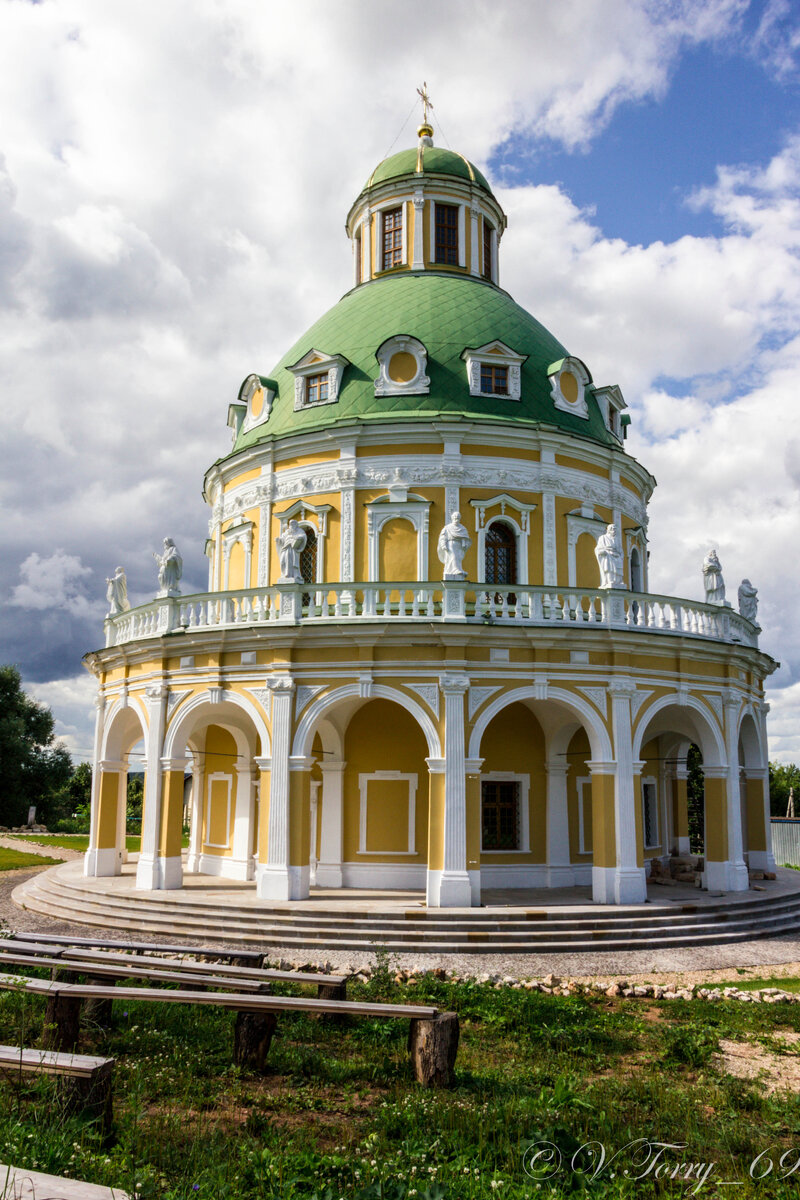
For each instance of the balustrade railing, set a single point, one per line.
(292, 604)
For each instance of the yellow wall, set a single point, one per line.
(514, 742)
(382, 736)
(398, 550)
(587, 572)
(577, 754)
(219, 759)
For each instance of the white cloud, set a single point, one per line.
(176, 176)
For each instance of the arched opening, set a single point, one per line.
(118, 774)
(513, 788)
(500, 554)
(636, 570)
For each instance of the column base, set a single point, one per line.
(193, 864)
(682, 847)
(726, 877)
(329, 875)
(102, 862)
(619, 885)
(155, 874)
(561, 875)
(449, 889)
(282, 883)
(760, 860)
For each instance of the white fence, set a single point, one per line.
(293, 604)
(786, 841)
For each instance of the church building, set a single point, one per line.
(428, 657)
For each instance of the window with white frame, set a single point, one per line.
(569, 379)
(494, 370)
(650, 814)
(585, 842)
(611, 403)
(317, 379)
(504, 813)
(403, 363)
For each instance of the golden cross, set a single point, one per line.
(426, 101)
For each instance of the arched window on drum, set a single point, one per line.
(500, 554)
(308, 561)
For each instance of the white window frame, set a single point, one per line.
(582, 783)
(524, 782)
(364, 780)
(402, 344)
(573, 366)
(611, 403)
(496, 354)
(651, 781)
(381, 208)
(213, 778)
(404, 506)
(521, 527)
(251, 385)
(448, 202)
(302, 511)
(315, 362)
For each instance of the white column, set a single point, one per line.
(683, 843)
(273, 876)
(148, 870)
(418, 262)
(451, 888)
(462, 235)
(560, 872)
(195, 820)
(329, 867)
(550, 573)
(90, 858)
(240, 863)
(475, 256)
(122, 812)
(366, 245)
(738, 877)
(630, 885)
(495, 257)
(312, 853)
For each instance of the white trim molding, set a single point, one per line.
(520, 528)
(494, 354)
(401, 504)
(316, 362)
(364, 780)
(419, 384)
(216, 777)
(569, 379)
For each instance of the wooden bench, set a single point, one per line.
(87, 1079)
(222, 952)
(18, 1183)
(433, 1036)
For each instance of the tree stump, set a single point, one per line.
(62, 1022)
(252, 1038)
(433, 1045)
(332, 991)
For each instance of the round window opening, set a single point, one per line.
(569, 387)
(403, 367)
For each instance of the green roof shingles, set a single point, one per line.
(434, 160)
(447, 313)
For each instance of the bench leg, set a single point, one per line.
(332, 991)
(62, 1022)
(252, 1038)
(433, 1045)
(98, 1012)
(92, 1096)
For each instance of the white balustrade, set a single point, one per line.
(380, 602)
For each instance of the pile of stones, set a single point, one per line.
(23, 829)
(675, 870)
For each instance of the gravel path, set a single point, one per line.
(761, 958)
(10, 843)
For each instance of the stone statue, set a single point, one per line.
(609, 559)
(117, 593)
(748, 601)
(170, 569)
(454, 542)
(290, 545)
(712, 578)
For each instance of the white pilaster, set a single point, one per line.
(195, 820)
(462, 235)
(630, 886)
(475, 255)
(329, 867)
(366, 245)
(682, 844)
(241, 861)
(452, 888)
(738, 877)
(550, 565)
(149, 874)
(274, 878)
(560, 872)
(418, 261)
(90, 858)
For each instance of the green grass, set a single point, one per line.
(79, 841)
(338, 1114)
(12, 860)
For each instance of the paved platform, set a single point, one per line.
(509, 921)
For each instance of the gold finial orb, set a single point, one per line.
(425, 130)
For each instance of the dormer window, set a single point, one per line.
(403, 363)
(392, 238)
(611, 402)
(317, 379)
(569, 379)
(446, 238)
(494, 370)
(257, 399)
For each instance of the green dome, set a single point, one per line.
(427, 160)
(448, 314)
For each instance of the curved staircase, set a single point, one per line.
(401, 922)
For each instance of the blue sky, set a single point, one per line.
(173, 186)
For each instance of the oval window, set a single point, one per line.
(402, 367)
(569, 387)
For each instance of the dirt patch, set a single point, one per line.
(751, 1060)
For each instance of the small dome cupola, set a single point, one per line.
(425, 209)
